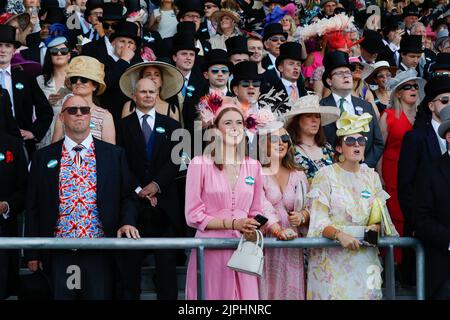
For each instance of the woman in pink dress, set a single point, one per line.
(224, 191)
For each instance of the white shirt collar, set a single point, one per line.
(224, 91)
(151, 113)
(110, 49)
(442, 142)
(287, 83)
(69, 144)
(188, 76)
(347, 98)
(7, 69)
(272, 58)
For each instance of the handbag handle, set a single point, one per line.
(259, 241)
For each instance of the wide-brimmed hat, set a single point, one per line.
(127, 29)
(445, 124)
(245, 70)
(434, 87)
(289, 50)
(441, 36)
(404, 76)
(311, 104)
(8, 35)
(411, 44)
(370, 71)
(217, 56)
(23, 19)
(184, 41)
(372, 42)
(442, 62)
(334, 60)
(89, 68)
(274, 29)
(172, 78)
(219, 14)
(236, 45)
(190, 6)
(30, 67)
(113, 11)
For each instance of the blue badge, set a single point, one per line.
(365, 194)
(206, 49)
(189, 94)
(204, 29)
(91, 125)
(2, 157)
(190, 88)
(149, 39)
(250, 180)
(19, 86)
(160, 130)
(359, 110)
(52, 163)
(271, 67)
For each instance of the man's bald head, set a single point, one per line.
(145, 94)
(76, 116)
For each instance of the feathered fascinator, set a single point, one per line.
(210, 106)
(262, 119)
(350, 124)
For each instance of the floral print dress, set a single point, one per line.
(312, 166)
(341, 198)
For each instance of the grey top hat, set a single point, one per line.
(445, 125)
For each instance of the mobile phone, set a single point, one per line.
(371, 236)
(261, 219)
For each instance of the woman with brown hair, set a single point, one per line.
(304, 124)
(223, 195)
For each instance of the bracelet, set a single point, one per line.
(223, 223)
(277, 233)
(232, 223)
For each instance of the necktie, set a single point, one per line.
(183, 91)
(341, 105)
(146, 129)
(294, 95)
(2, 79)
(78, 158)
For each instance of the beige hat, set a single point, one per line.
(217, 16)
(87, 67)
(310, 104)
(172, 78)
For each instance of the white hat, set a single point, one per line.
(404, 76)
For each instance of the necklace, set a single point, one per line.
(308, 145)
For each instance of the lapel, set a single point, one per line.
(52, 174)
(445, 167)
(159, 136)
(329, 101)
(101, 161)
(357, 103)
(17, 94)
(137, 134)
(432, 142)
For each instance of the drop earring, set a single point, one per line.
(341, 158)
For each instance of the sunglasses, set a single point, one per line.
(74, 80)
(73, 110)
(107, 25)
(351, 141)
(284, 138)
(278, 38)
(246, 83)
(55, 51)
(217, 70)
(384, 75)
(410, 86)
(444, 100)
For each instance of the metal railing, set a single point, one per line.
(218, 243)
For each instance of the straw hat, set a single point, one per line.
(172, 83)
(310, 104)
(370, 71)
(219, 14)
(88, 67)
(404, 76)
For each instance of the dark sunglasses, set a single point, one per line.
(74, 80)
(107, 25)
(351, 141)
(55, 51)
(444, 100)
(73, 110)
(277, 38)
(246, 83)
(284, 138)
(217, 70)
(410, 86)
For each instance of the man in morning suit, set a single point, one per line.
(338, 78)
(79, 187)
(146, 137)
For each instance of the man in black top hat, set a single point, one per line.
(30, 107)
(328, 7)
(217, 69)
(273, 37)
(392, 34)
(207, 28)
(191, 10)
(92, 29)
(441, 66)
(411, 50)
(237, 49)
(371, 47)
(410, 16)
(246, 83)
(338, 78)
(289, 65)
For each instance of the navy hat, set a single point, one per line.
(237, 44)
(411, 44)
(274, 29)
(245, 70)
(289, 50)
(217, 56)
(334, 60)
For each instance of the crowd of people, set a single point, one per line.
(189, 118)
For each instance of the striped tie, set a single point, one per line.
(78, 158)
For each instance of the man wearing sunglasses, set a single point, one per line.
(338, 78)
(208, 29)
(273, 37)
(79, 187)
(246, 84)
(217, 70)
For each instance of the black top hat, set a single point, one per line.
(55, 15)
(237, 44)
(216, 2)
(442, 62)
(91, 5)
(245, 70)
(390, 23)
(188, 6)
(132, 5)
(334, 60)
(184, 41)
(274, 29)
(186, 26)
(127, 29)
(35, 286)
(411, 10)
(411, 43)
(8, 35)
(289, 50)
(217, 56)
(113, 11)
(434, 87)
(372, 42)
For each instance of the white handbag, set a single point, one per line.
(248, 257)
(301, 189)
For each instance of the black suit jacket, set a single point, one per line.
(431, 220)
(116, 200)
(279, 86)
(27, 96)
(375, 144)
(7, 122)
(32, 53)
(160, 168)
(419, 146)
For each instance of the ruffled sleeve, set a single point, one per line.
(320, 204)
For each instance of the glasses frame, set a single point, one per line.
(84, 110)
(351, 141)
(74, 79)
(248, 83)
(407, 87)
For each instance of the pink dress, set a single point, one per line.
(209, 195)
(283, 272)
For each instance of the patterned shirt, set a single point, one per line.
(312, 166)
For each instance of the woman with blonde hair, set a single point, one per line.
(227, 27)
